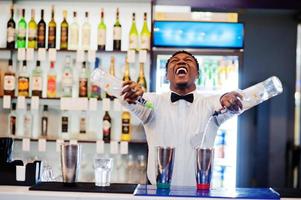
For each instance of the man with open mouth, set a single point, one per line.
(178, 115)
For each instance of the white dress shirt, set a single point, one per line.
(180, 125)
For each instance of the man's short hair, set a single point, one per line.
(185, 52)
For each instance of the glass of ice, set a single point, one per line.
(102, 168)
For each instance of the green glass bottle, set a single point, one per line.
(52, 31)
(64, 32)
(101, 35)
(145, 35)
(133, 36)
(32, 31)
(22, 26)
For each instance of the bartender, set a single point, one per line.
(178, 115)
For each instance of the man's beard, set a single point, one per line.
(182, 86)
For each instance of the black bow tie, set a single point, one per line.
(175, 97)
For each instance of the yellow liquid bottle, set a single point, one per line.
(125, 126)
(64, 32)
(141, 79)
(126, 75)
(52, 31)
(32, 31)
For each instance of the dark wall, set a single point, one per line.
(270, 49)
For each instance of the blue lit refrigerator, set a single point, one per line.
(218, 48)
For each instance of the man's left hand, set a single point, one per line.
(232, 101)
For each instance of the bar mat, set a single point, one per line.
(85, 187)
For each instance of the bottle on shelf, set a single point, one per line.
(51, 82)
(133, 35)
(86, 33)
(125, 126)
(42, 31)
(141, 79)
(44, 121)
(145, 35)
(83, 81)
(52, 31)
(126, 74)
(74, 34)
(67, 78)
(112, 72)
(64, 32)
(12, 120)
(37, 80)
(106, 127)
(64, 123)
(9, 84)
(22, 26)
(27, 122)
(32, 31)
(83, 123)
(117, 33)
(23, 80)
(11, 31)
(95, 89)
(101, 35)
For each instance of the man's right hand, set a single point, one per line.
(131, 91)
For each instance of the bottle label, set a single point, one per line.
(86, 38)
(64, 124)
(9, 82)
(83, 85)
(11, 34)
(51, 86)
(22, 33)
(51, 35)
(12, 125)
(95, 90)
(106, 125)
(23, 86)
(37, 83)
(41, 34)
(145, 42)
(82, 125)
(101, 38)
(32, 34)
(64, 35)
(117, 33)
(133, 42)
(67, 79)
(74, 37)
(125, 126)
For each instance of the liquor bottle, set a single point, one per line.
(83, 123)
(65, 122)
(42, 31)
(141, 79)
(101, 36)
(9, 84)
(117, 33)
(37, 80)
(52, 31)
(145, 35)
(67, 78)
(126, 75)
(11, 31)
(112, 72)
(32, 31)
(74, 34)
(27, 122)
(133, 36)
(83, 82)
(64, 32)
(12, 120)
(22, 26)
(106, 127)
(86, 33)
(44, 121)
(95, 89)
(51, 82)
(125, 126)
(23, 81)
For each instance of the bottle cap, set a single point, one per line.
(38, 63)
(10, 62)
(13, 106)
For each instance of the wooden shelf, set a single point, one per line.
(71, 51)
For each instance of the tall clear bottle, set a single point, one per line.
(117, 33)
(102, 31)
(9, 84)
(86, 33)
(32, 31)
(22, 26)
(52, 31)
(64, 32)
(44, 121)
(27, 123)
(74, 34)
(11, 31)
(23, 81)
(83, 82)
(145, 35)
(37, 80)
(112, 72)
(51, 82)
(67, 78)
(42, 31)
(133, 35)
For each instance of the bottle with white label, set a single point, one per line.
(22, 26)
(9, 84)
(65, 124)
(44, 122)
(67, 78)
(83, 123)
(11, 31)
(133, 36)
(117, 33)
(32, 31)
(12, 121)
(74, 34)
(37, 81)
(27, 123)
(23, 80)
(86, 33)
(101, 35)
(83, 82)
(145, 35)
